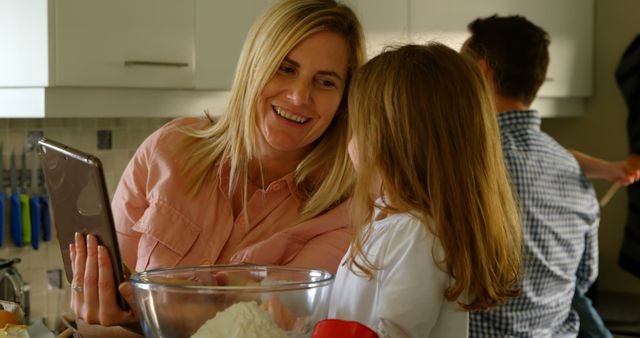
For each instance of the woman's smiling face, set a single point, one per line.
(298, 103)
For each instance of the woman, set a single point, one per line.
(265, 183)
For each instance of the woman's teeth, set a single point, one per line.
(290, 117)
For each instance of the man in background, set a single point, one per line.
(560, 212)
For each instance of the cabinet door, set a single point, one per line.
(23, 34)
(570, 23)
(221, 28)
(384, 22)
(446, 21)
(124, 43)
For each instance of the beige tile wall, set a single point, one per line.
(127, 134)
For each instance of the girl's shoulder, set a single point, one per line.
(403, 227)
(404, 221)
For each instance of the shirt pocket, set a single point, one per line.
(167, 237)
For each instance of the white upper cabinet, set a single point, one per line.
(97, 58)
(172, 44)
(221, 28)
(124, 43)
(69, 58)
(570, 24)
(384, 22)
(446, 20)
(24, 57)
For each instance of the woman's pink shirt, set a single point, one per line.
(160, 225)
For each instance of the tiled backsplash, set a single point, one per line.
(126, 136)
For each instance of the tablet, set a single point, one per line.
(79, 202)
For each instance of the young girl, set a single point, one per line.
(436, 225)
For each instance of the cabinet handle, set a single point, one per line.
(549, 79)
(155, 63)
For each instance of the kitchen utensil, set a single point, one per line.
(1, 194)
(7, 264)
(16, 213)
(13, 287)
(25, 215)
(34, 204)
(66, 333)
(70, 327)
(24, 201)
(46, 219)
(177, 302)
(336, 328)
(609, 194)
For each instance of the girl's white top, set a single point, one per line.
(405, 297)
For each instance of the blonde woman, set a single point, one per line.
(265, 183)
(437, 229)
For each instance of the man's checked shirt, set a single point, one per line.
(560, 216)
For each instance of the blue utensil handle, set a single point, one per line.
(16, 220)
(46, 220)
(34, 209)
(1, 217)
(26, 218)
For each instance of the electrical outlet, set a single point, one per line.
(54, 279)
(104, 139)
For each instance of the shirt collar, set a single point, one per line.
(519, 119)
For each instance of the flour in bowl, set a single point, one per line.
(241, 320)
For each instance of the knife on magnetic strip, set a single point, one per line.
(34, 203)
(24, 200)
(16, 215)
(44, 214)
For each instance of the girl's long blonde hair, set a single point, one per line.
(232, 137)
(424, 125)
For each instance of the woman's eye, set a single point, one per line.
(286, 69)
(327, 83)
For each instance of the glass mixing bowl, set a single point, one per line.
(231, 301)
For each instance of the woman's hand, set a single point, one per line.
(93, 297)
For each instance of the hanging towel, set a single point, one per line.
(628, 79)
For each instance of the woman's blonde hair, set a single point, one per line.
(424, 126)
(232, 137)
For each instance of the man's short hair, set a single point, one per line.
(515, 49)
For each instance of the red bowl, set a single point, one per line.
(337, 328)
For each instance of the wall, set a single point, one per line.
(601, 132)
(127, 134)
